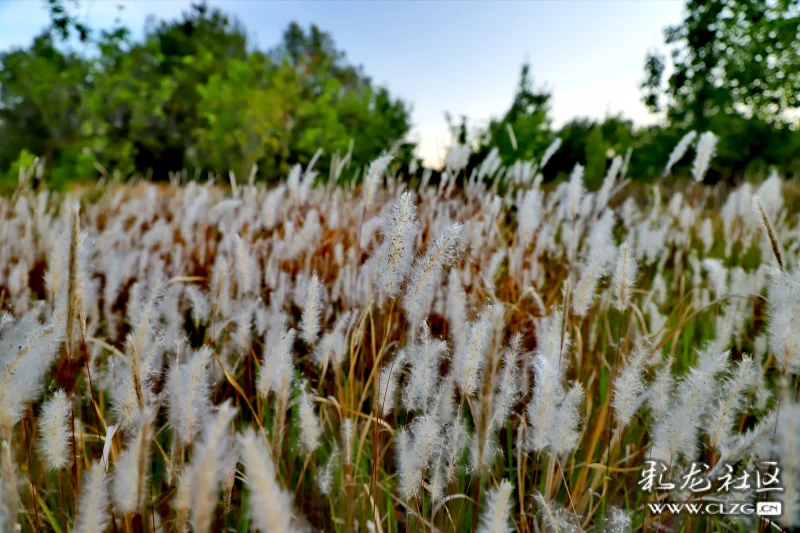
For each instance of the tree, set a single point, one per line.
(528, 119)
(732, 57)
(191, 93)
(244, 112)
(595, 157)
(337, 101)
(735, 71)
(177, 58)
(590, 142)
(41, 101)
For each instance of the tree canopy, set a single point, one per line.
(734, 69)
(731, 57)
(192, 93)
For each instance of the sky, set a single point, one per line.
(458, 56)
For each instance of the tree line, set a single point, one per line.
(194, 93)
(734, 69)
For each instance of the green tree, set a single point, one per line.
(337, 101)
(41, 103)
(245, 117)
(595, 150)
(733, 57)
(178, 58)
(735, 71)
(590, 142)
(192, 92)
(528, 119)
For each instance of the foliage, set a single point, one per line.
(528, 118)
(192, 93)
(523, 132)
(735, 70)
(729, 57)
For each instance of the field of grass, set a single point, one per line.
(398, 355)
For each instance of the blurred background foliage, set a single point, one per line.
(195, 94)
(192, 94)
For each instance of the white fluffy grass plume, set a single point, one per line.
(706, 148)
(676, 434)
(28, 349)
(310, 428)
(277, 369)
(348, 432)
(93, 507)
(270, 505)
(624, 276)
(54, 431)
(556, 519)
(309, 326)
(424, 357)
(188, 395)
(130, 479)
(585, 291)
(495, 518)
(679, 151)
(427, 272)
(550, 152)
(529, 216)
(469, 361)
(618, 521)
(387, 389)
(629, 387)
(729, 402)
(375, 173)
(784, 314)
(787, 442)
(407, 464)
(9, 485)
(397, 250)
(554, 413)
(208, 468)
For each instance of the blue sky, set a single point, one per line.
(457, 56)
